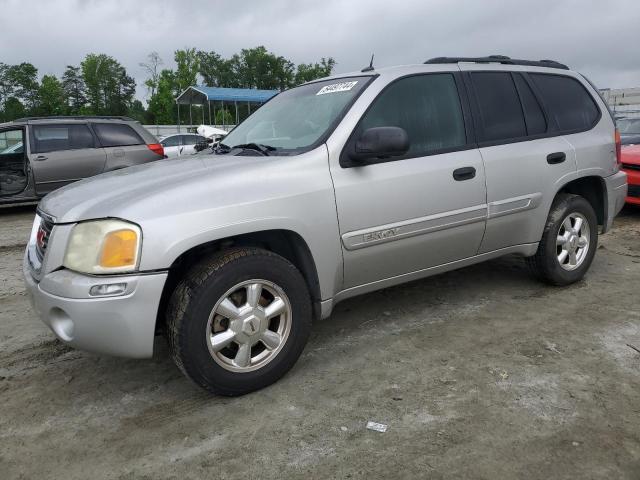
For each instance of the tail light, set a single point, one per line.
(618, 147)
(156, 148)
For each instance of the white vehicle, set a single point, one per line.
(211, 132)
(181, 144)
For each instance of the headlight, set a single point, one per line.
(104, 246)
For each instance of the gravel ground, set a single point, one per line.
(478, 373)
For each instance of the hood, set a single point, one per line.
(631, 154)
(155, 188)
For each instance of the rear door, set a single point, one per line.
(524, 159)
(189, 143)
(405, 214)
(63, 153)
(172, 145)
(122, 144)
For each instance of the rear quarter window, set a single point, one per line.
(116, 135)
(501, 115)
(53, 138)
(567, 101)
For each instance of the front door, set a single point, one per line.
(425, 208)
(63, 153)
(13, 168)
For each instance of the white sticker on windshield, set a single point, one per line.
(337, 87)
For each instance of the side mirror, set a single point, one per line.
(380, 142)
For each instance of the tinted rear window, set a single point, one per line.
(567, 101)
(534, 118)
(116, 135)
(501, 116)
(173, 141)
(52, 138)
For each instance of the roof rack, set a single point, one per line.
(499, 59)
(77, 117)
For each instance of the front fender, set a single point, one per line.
(311, 216)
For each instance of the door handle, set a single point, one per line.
(40, 158)
(464, 173)
(557, 157)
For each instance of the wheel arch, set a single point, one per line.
(286, 243)
(593, 189)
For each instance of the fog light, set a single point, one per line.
(108, 290)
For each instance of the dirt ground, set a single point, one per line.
(478, 373)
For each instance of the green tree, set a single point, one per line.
(51, 99)
(74, 90)
(13, 109)
(137, 111)
(258, 68)
(24, 81)
(215, 70)
(307, 72)
(109, 90)
(162, 105)
(6, 89)
(187, 63)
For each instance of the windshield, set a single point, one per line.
(629, 125)
(296, 119)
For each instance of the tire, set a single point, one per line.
(546, 264)
(193, 326)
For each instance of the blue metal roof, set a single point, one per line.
(199, 93)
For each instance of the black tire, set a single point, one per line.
(544, 264)
(197, 294)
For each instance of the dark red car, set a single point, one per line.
(631, 165)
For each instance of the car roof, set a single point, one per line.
(494, 62)
(68, 119)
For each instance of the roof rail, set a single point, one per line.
(499, 59)
(77, 117)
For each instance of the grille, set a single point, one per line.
(634, 191)
(42, 238)
(630, 166)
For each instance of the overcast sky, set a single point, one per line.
(599, 38)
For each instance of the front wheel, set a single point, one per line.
(239, 321)
(568, 243)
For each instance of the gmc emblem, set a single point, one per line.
(40, 237)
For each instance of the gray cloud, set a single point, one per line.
(597, 38)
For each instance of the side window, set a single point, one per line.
(567, 100)
(427, 107)
(189, 139)
(53, 138)
(116, 135)
(11, 144)
(501, 116)
(173, 141)
(534, 118)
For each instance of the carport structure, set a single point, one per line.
(212, 96)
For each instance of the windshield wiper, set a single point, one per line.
(258, 147)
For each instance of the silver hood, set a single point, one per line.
(157, 187)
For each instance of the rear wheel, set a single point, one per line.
(568, 243)
(239, 321)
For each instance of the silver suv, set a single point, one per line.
(332, 189)
(40, 154)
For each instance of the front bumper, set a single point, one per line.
(616, 187)
(122, 325)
